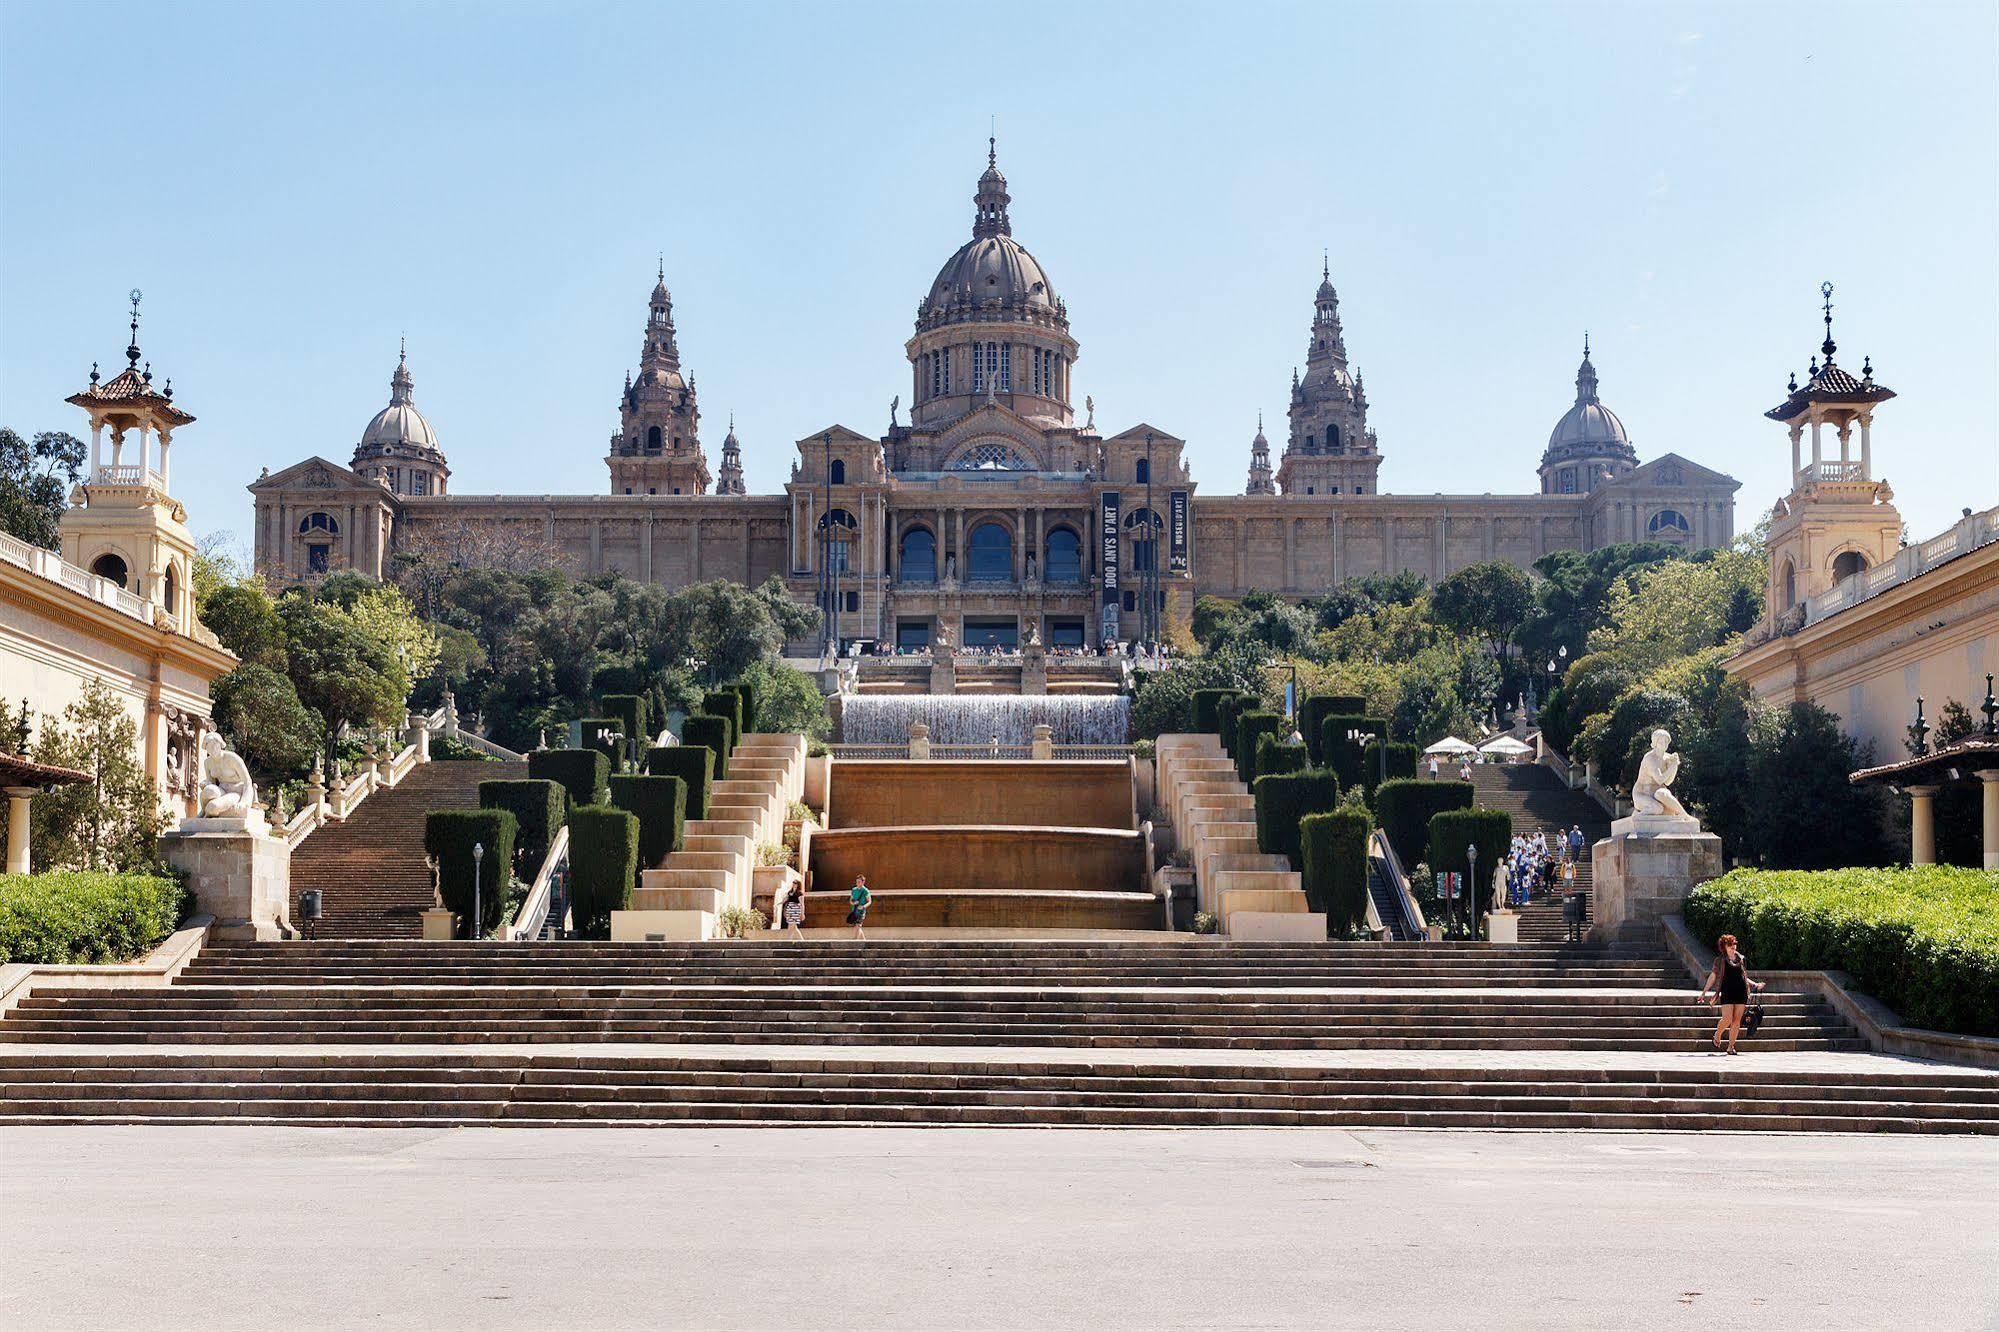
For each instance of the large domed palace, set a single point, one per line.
(994, 512)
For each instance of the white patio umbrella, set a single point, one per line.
(1506, 745)
(1450, 744)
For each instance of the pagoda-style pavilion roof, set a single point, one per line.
(18, 771)
(1941, 766)
(130, 389)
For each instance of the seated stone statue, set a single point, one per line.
(226, 789)
(1651, 793)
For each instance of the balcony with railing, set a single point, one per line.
(129, 474)
(1968, 534)
(1833, 470)
(47, 564)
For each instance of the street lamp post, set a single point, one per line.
(1471, 891)
(478, 916)
(1149, 579)
(829, 645)
(1360, 737)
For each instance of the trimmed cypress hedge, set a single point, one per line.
(1401, 763)
(538, 806)
(1342, 755)
(1334, 846)
(705, 729)
(581, 773)
(748, 693)
(1204, 721)
(1250, 728)
(630, 712)
(694, 765)
(1312, 714)
(661, 806)
(1282, 800)
(450, 835)
(1232, 706)
(726, 703)
(603, 860)
(599, 733)
(1274, 755)
(1452, 830)
(1402, 809)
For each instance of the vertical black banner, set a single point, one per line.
(1108, 533)
(1176, 530)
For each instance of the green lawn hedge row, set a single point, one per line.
(1452, 830)
(1251, 727)
(1281, 801)
(581, 773)
(660, 803)
(538, 806)
(1277, 756)
(603, 858)
(1312, 714)
(450, 835)
(85, 917)
(694, 765)
(1924, 940)
(1403, 807)
(703, 729)
(1334, 865)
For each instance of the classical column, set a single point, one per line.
(17, 827)
(1867, 447)
(1922, 825)
(1846, 441)
(694, 558)
(166, 438)
(1988, 824)
(96, 449)
(1797, 459)
(1818, 452)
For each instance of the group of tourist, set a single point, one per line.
(790, 907)
(1537, 864)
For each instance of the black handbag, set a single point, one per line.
(1753, 1018)
(854, 916)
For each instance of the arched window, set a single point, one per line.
(1065, 556)
(991, 555)
(1332, 439)
(652, 439)
(170, 590)
(1848, 563)
(111, 567)
(916, 561)
(991, 457)
(844, 529)
(1669, 525)
(318, 522)
(1789, 583)
(1142, 528)
(836, 471)
(1142, 470)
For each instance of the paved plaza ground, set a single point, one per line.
(222, 1228)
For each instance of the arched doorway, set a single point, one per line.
(111, 567)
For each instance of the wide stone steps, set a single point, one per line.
(435, 1090)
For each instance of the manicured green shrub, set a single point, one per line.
(86, 916)
(630, 712)
(1251, 727)
(1451, 831)
(694, 765)
(1333, 850)
(1401, 763)
(1342, 755)
(601, 734)
(1923, 940)
(661, 806)
(1282, 800)
(1226, 712)
(1312, 714)
(747, 692)
(450, 835)
(1274, 755)
(1204, 721)
(729, 704)
(538, 806)
(603, 860)
(1402, 810)
(704, 729)
(581, 773)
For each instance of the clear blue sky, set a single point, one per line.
(294, 186)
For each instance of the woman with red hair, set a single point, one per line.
(1730, 984)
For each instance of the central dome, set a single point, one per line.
(992, 276)
(400, 424)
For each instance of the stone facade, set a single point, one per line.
(994, 513)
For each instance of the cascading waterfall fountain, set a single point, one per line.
(956, 719)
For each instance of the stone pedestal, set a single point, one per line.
(1043, 746)
(439, 924)
(1502, 927)
(1643, 873)
(1034, 669)
(240, 874)
(943, 671)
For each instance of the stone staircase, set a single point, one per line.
(1252, 894)
(1539, 801)
(682, 899)
(370, 869)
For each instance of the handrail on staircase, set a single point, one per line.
(533, 913)
(1412, 914)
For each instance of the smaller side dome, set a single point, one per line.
(398, 447)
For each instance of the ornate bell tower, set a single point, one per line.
(1838, 520)
(1331, 450)
(657, 450)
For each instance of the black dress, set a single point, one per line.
(1734, 982)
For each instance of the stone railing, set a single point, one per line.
(1579, 777)
(535, 907)
(47, 564)
(334, 798)
(1968, 534)
(1391, 865)
(1107, 753)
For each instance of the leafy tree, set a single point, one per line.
(788, 701)
(1164, 700)
(35, 481)
(260, 711)
(1489, 600)
(1573, 593)
(1677, 608)
(1808, 815)
(111, 821)
(243, 616)
(339, 669)
(1214, 619)
(1592, 686)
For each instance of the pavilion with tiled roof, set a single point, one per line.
(1920, 776)
(22, 779)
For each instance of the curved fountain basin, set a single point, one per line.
(979, 858)
(966, 793)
